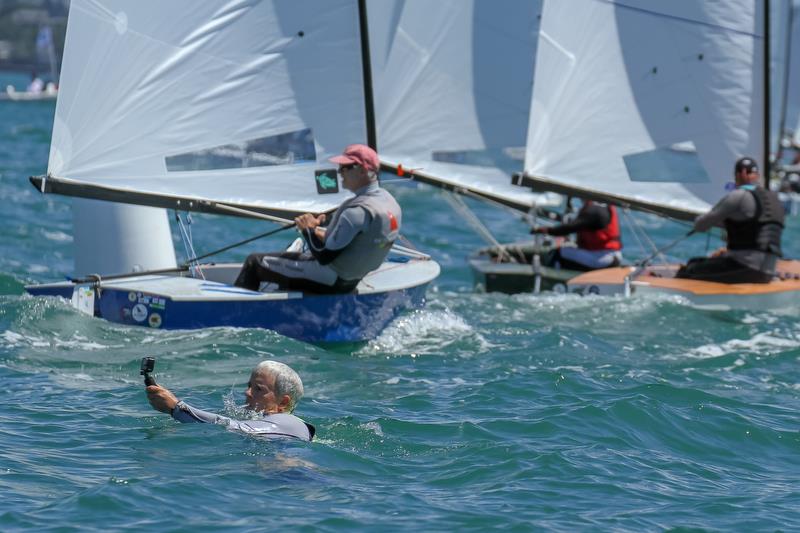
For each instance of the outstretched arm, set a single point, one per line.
(732, 206)
(161, 399)
(280, 425)
(164, 401)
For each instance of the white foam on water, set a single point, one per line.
(234, 409)
(57, 236)
(570, 368)
(374, 427)
(12, 338)
(434, 385)
(16, 339)
(759, 319)
(764, 343)
(77, 341)
(575, 307)
(82, 343)
(425, 332)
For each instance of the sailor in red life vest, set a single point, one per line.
(598, 239)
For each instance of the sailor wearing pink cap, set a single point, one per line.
(356, 241)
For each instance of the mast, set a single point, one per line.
(366, 65)
(786, 72)
(766, 95)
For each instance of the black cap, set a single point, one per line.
(746, 163)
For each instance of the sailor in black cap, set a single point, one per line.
(752, 217)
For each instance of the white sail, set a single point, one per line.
(237, 102)
(646, 103)
(452, 84)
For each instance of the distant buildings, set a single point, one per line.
(25, 42)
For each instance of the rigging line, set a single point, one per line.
(648, 239)
(634, 231)
(95, 279)
(460, 207)
(663, 249)
(234, 245)
(526, 215)
(188, 244)
(245, 212)
(408, 252)
(183, 236)
(500, 205)
(408, 248)
(621, 5)
(183, 267)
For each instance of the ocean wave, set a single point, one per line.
(427, 331)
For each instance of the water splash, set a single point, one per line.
(427, 331)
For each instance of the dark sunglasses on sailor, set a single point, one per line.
(346, 167)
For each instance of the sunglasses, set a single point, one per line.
(346, 167)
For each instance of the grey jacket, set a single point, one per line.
(279, 425)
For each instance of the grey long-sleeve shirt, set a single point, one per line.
(737, 205)
(278, 425)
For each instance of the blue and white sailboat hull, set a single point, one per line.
(181, 302)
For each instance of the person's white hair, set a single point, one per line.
(286, 381)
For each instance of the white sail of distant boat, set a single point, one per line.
(656, 127)
(623, 87)
(230, 111)
(452, 82)
(46, 48)
(229, 108)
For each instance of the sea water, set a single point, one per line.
(481, 411)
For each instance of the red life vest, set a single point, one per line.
(607, 238)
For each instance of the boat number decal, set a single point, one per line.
(132, 296)
(594, 289)
(139, 312)
(155, 320)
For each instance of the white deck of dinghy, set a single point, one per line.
(389, 277)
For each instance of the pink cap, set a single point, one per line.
(360, 154)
